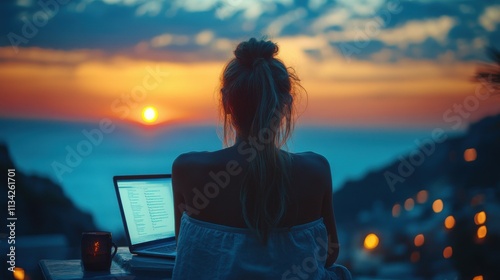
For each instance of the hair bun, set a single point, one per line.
(251, 52)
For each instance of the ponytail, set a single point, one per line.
(257, 99)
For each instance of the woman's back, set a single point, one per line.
(210, 183)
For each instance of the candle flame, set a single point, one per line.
(96, 247)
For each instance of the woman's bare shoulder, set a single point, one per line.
(312, 160)
(187, 168)
(190, 159)
(312, 169)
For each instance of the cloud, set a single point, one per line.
(384, 55)
(161, 40)
(196, 5)
(204, 37)
(467, 47)
(277, 25)
(490, 18)
(152, 8)
(295, 49)
(363, 7)
(224, 45)
(418, 31)
(333, 17)
(334, 77)
(316, 4)
(48, 56)
(203, 46)
(167, 39)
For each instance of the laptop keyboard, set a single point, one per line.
(163, 249)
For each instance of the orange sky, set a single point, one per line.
(90, 85)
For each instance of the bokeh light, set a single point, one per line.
(19, 273)
(470, 155)
(437, 206)
(371, 241)
(396, 210)
(419, 240)
(422, 196)
(409, 204)
(480, 218)
(478, 277)
(448, 252)
(449, 222)
(481, 232)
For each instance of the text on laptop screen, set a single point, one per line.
(148, 206)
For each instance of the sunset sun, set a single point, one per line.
(149, 114)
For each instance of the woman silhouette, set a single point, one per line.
(253, 210)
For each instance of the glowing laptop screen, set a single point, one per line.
(148, 206)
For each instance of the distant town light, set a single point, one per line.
(409, 203)
(437, 205)
(480, 218)
(371, 241)
(449, 222)
(478, 277)
(470, 155)
(422, 196)
(481, 232)
(396, 210)
(448, 252)
(415, 257)
(19, 273)
(419, 240)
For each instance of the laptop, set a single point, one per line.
(147, 209)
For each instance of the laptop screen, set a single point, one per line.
(148, 207)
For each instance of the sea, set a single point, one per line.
(83, 157)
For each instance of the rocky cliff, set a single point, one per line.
(41, 207)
